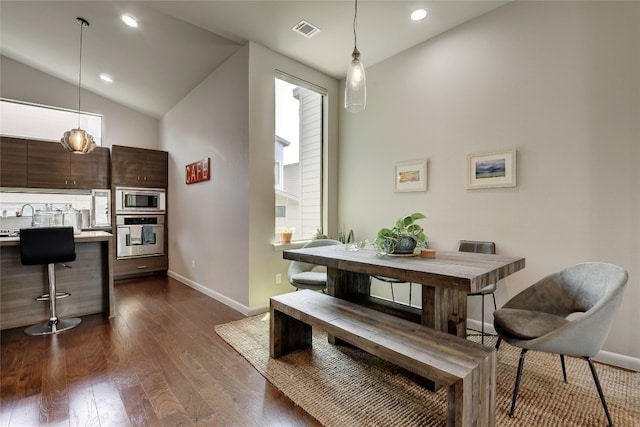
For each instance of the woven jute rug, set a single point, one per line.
(343, 386)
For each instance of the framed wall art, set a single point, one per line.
(491, 169)
(411, 175)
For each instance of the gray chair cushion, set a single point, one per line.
(526, 324)
(313, 278)
(304, 275)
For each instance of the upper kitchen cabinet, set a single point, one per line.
(49, 165)
(139, 167)
(91, 170)
(13, 162)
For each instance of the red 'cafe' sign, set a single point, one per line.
(198, 171)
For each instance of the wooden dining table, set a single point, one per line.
(446, 280)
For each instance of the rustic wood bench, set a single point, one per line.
(465, 367)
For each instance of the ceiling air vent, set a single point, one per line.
(306, 29)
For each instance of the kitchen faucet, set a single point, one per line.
(33, 211)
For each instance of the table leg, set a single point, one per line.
(438, 304)
(341, 284)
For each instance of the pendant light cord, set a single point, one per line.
(83, 23)
(355, 26)
(80, 73)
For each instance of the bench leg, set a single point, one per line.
(287, 334)
(458, 410)
(471, 401)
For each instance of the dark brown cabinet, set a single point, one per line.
(139, 167)
(13, 162)
(49, 165)
(132, 267)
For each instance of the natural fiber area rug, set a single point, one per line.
(344, 386)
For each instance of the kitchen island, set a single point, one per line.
(89, 281)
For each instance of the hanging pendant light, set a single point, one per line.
(79, 141)
(355, 91)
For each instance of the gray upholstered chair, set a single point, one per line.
(483, 248)
(302, 274)
(538, 318)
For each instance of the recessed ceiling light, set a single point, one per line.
(106, 78)
(129, 20)
(418, 14)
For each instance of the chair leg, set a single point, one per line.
(564, 369)
(482, 320)
(495, 307)
(498, 343)
(517, 385)
(393, 298)
(597, 381)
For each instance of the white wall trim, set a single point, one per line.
(606, 357)
(218, 296)
(618, 360)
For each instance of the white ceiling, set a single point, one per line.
(179, 43)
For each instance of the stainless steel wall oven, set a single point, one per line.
(140, 235)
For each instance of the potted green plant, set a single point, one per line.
(404, 237)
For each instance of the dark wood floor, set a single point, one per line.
(158, 362)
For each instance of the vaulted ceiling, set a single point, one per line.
(178, 43)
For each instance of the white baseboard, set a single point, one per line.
(619, 360)
(218, 296)
(606, 357)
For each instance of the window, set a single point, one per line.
(298, 157)
(25, 120)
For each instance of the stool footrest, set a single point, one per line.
(45, 297)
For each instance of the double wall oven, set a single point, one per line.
(140, 222)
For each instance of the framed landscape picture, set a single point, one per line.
(491, 169)
(411, 175)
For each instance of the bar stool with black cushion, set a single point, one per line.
(49, 245)
(483, 248)
(303, 275)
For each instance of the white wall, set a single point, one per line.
(208, 221)
(556, 80)
(226, 225)
(121, 125)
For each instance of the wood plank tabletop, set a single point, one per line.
(468, 271)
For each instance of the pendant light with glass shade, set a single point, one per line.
(79, 141)
(355, 91)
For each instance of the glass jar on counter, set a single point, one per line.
(48, 217)
(72, 218)
(44, 217)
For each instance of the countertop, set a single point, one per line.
(84, 236)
